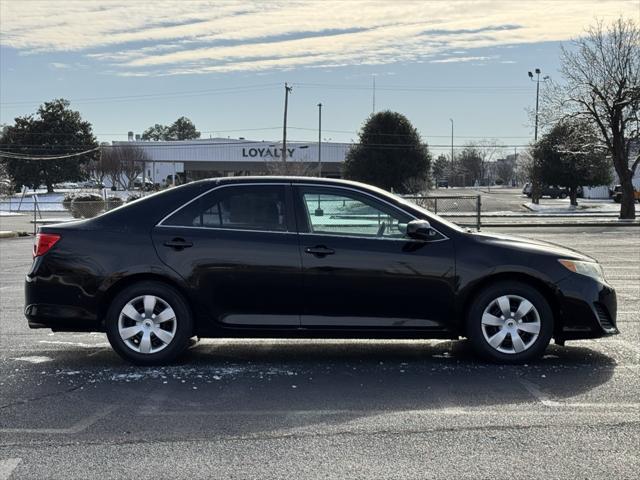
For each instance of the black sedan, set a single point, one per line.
(306, 257)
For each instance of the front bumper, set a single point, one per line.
(588, 309)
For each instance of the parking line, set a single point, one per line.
(533, 389)
(7, 466)
(76, 428)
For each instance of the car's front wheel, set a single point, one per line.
(149, 323)
(510, 322)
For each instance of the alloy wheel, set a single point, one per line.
(147, 324)
(510, 324)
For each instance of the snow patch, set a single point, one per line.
(33, 359)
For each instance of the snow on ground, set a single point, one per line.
(51, 202)
(584, 206)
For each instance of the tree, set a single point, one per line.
(124, 163)
(570, 156)
(505, 169)
(55, 131)
(441, 167)
(389, 154)
(181, 129)
(157, 132)
(602, 85)
(471, 165)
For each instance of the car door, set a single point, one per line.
(236, 246)
(361, 270)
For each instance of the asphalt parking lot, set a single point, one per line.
(70, 408)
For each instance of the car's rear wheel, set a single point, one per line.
(149, 323)
(510, 322)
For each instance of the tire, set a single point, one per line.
(149, 341)
(538, 318)
(563, 195)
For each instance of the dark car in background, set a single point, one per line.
(616, 194)
(306, 257)
(552, 191)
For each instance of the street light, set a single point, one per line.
(537, 80)
(451, 120)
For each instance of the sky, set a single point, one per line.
(128, 64)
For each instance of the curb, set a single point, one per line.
(563, 224)
(8, 234)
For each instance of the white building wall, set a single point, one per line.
(230, 150)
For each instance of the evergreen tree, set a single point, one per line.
(55, 130)
(390, 154)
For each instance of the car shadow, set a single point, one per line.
(245, 387)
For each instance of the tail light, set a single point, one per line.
(44, 242)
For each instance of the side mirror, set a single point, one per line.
(419, 229)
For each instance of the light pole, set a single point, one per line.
(320, 140)
(535, 198)
(537, 80)
(451, 120)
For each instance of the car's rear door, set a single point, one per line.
(237, 248)
(361, 271)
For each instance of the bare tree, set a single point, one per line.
(505, 170)
(95, 167)
(292, 168)
(111, 165)
(602, 84)
(124, 163)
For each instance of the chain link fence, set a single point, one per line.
(32, 212)
(465, 210)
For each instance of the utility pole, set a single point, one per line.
(287, 90)
(373, 108)
(451, 120)
(320, 140)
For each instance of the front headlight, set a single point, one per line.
(590, 269)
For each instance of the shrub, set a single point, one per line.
(114, 202)
(87, 205)
(68, 198)
(132, 197)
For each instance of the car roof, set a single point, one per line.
(286, 179)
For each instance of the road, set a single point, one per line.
(70, 408)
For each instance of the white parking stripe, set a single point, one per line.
(76, 428)
(7, 467)
(547, 402)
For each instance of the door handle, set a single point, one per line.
(319, 251)
(178, 243)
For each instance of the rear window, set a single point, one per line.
(255, 207)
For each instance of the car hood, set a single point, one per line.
(529, 245)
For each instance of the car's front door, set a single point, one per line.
(237, 248)
(360, 270)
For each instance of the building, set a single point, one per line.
(215, 157)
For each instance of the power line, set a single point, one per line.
(153, 96)
(21, 156)
(169, 145)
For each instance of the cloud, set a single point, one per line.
(173, 37)
(462, 59)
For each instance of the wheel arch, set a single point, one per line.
(541, 286)
(118, 286)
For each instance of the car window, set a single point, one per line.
(256, 207)
(352, 214)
